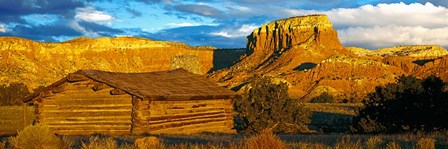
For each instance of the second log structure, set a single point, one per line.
(169, 102)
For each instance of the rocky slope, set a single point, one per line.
(302, 51)
(36, 63)
(418, 51)
(281, 46)
(305, 52)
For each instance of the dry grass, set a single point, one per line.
(373, 142)
(426, 143)
(264, 140)
(336, 108)
(347, 143)
(305, 145)
(36, 137)
(100, 143)
(148, 142)
(393, 145)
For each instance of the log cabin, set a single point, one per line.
(168, 102)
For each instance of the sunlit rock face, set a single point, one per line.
(281, 46)
(305, 52)
(41, 63)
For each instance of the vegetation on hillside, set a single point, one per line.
(411, 105)
(12, 94)
(323, 98)
(267, 106)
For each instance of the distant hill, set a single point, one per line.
(303, 51)
(42, 63)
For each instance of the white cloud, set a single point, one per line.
(242, 31)
(186, 24)
(387, 25)
(392, 35)
(75, 25)
(91, 15)
(402, 14)
(2, 28)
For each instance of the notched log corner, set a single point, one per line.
(72, 77)
(100, 86)
(117, 92)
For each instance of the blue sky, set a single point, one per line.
(224, 23)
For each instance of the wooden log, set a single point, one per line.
(88, 110)
(61, 96)
(59, 88)
(117, 92)
(100, 86)
(183, 123)
(88, 132)
(90, 126)
(45, 94)
(82, 101)
(84, 118)
(184, 104)
(82, 107)
(88, 122)
(72, 77)
(74, 114)
(221, 101)
(155, 113)
(179, 116)
(184, 119)
(195, 129)
(188, 129)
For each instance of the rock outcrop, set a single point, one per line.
(281, 46)
(306, 53)
(40, 63)
(342, 76)
(302, 51)
(438, 67)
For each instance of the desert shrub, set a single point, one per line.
(393, 145)
(373, 142)
(12, 94)
(309, 145)
(347, 143)
(148, 142)
(36, 137)
(411, 105)
(426, 143)
(96, 142)
(323, 98)
(67, 143)
(267, 106)
(264, 140)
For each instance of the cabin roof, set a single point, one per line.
(177, 84)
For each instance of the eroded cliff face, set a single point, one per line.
(281, 46)
(306, 53)
(36, 63)
(437, 67)
(342, 76)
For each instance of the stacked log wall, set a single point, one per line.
(76, 109)
(183, 117)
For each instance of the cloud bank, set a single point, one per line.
(365, 23)
(387, 25)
